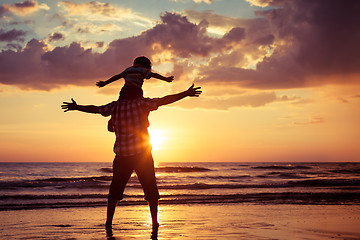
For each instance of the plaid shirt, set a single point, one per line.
(130, 118)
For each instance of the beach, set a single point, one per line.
(198, 201)
(194, 221)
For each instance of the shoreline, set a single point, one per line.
(194, 221)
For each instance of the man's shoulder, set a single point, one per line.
(149, 104)
(141, 101)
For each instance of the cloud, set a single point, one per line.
(303, 101)
(265, 3)
(98, 11)
(313, 120)
(300, 44)
(205, 1)
(73, 64)
(93, 8)
(12, 35)
(85, 28)
(308, 43)
(224, 103)
(239, 99)
(54, 37)
(195, 1)
(24, 8)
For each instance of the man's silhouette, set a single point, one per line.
(132, 146)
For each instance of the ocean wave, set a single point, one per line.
(237, 177)
(325, 183)
(281, 175)
(103, 182)
(50, 196)
(169, 169)
(182, 169)
(282, 167)
(346, 171)
(107, 170)
(324, 198)
(300, 183)
(78, 179)
(96, 181)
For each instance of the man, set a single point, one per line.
(132, 146)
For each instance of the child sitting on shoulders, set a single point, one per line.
(134, 78)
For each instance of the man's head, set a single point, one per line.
(142, 61)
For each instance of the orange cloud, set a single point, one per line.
(24, 8)
(98, 11)
(94, 7)
(314, 120)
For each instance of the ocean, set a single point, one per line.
(72, 185)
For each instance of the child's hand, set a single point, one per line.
(169, 79)
(100, 83)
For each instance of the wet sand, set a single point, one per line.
(197, 221)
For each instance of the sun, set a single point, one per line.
(156, 138)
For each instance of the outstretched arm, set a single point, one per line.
(71, 106)
(110, 80)
(191, 92)
(161, 77)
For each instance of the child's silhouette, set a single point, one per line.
(134, 78)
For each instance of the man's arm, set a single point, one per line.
(191, 92)
(110, 80)
(161, 77)
(71, 106)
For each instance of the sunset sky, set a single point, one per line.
(280, 79)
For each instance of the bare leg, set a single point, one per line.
(112, 202)
(153, 204)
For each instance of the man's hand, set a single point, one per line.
(69, 106)
(100, 84)
(193, 92)
(169, 79)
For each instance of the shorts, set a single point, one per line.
(123, 166)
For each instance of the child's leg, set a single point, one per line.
(110, 126)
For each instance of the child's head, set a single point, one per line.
(142, 61)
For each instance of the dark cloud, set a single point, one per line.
(3, 9)
(12, 35)
(299, 44)
(180, 36)
(315, 42)
(236, 34)
(56, 37)
(75, 65)
(26, 4)
(99, 44)
(23, 8)
(15, 46)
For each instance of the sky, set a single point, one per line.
(280, 79)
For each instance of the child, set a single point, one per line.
(134, 78)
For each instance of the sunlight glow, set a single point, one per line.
(156, 138)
